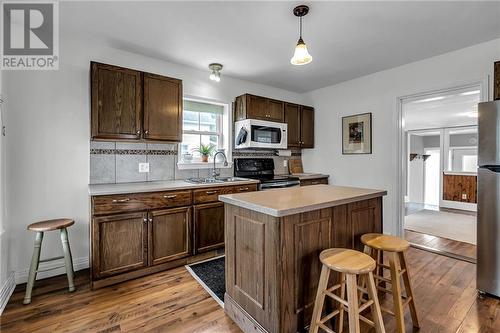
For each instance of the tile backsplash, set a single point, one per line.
(118, 162)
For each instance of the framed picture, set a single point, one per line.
(357, 134)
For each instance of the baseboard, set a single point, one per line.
(21, 276)
(459, 205)
(6, 291)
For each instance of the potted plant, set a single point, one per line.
(205, 151)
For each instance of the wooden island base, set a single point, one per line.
(272, 264)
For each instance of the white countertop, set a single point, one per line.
(294, 200)
(460, 173)
(138, 187)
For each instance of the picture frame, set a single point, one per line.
(357, 134)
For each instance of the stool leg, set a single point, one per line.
(409, 290)
(341, 306)
(67, 258)
(376, 312)
(320, 298)
(396, 291)
(352, 301)
(35, 261)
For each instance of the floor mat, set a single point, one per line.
(211, 275)
(454, 226)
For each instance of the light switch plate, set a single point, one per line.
(464, 196)
(143, 167)
(285, 163)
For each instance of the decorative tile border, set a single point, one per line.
(132, 152)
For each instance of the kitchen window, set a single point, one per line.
(204, 123)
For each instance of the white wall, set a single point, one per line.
(377, 93)
(48, 139)
(416, 170)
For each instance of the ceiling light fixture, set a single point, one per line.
(301, 56)
(215, 68)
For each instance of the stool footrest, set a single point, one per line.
(325, 328)
(328, 317)
(365, 306)
(335, 297)
(52, 259)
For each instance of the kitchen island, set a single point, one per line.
(273, 240)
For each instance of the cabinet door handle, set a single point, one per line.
(138, 132)
(211, 192)
(170, 196)
(243, 189)
(146, 132)
(120, 200)
(315, 183)
(151, 220)
(145, 219)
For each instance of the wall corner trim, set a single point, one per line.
(6, 291)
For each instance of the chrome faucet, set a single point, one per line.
(216, 174)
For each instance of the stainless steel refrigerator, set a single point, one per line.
(488, 205)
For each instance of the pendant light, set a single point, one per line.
(215, 75)
(301, 56)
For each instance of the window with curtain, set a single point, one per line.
(202, 124)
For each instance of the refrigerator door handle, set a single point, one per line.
(493, 168)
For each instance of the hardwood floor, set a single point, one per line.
(173, 301)
(442, 244)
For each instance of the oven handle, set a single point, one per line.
(282, 185)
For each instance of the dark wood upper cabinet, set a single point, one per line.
(256, 107)
(119, 244)
(275, 110)
(132, 105)
(208, 227)
(307, 127)
(300, 120)
(169, 234)
(162, 108)
(496, 83)
(292, 118)
(116, 102)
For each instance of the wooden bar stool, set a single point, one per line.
(395, 248)
(350, 264)
(40, 228)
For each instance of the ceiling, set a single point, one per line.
(255, 40)
(458, 108)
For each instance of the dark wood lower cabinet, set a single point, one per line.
(119, 244)
(137, 234)
(208, 227)
(169, 234)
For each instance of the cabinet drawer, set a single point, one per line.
(211, 194)
(109, 204)
(317, 181)
(245, 188)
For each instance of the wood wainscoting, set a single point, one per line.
(461, 188)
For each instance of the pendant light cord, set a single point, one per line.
(300, 27)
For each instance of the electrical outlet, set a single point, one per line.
(143, 167)
(285, 163)
(464, 196)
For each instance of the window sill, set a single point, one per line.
(202, 165)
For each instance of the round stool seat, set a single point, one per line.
(385, 242)
(50, 225)
(347, 261)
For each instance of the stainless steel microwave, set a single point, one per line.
(252, 133)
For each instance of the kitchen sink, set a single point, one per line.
(214, 181)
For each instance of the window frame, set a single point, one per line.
(223, 133)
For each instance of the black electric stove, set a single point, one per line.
(262, 169)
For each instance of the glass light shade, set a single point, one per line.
(217, 77)
(301, 56)
(213, 76)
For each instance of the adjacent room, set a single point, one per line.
(442, 161)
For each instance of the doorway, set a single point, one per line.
(440, 162)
